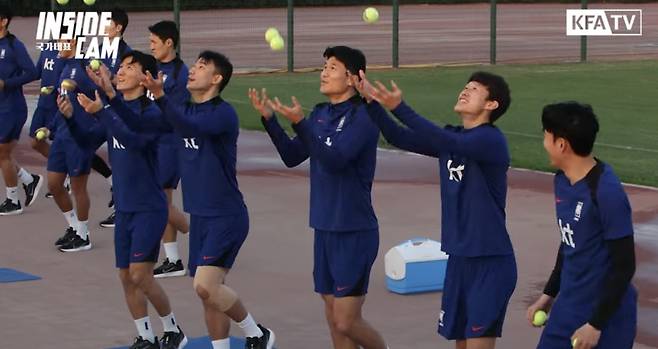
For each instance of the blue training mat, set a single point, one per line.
(204, 343)
(11, 275)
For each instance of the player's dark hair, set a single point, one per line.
(353, 59)
(166, 30)
(148, 62)
(119, 16)
(222, 65)
(498, 91)
(5, 13)
(574, 122)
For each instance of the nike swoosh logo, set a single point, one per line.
(205, 258)
(342, 288)
(138, 254)
(477, 328)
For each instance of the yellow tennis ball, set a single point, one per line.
(69, 85)
(41, 135)
(277, 43)
(95, 64)
(62, 2)
(89, 2)
(271, 33)
(540, 318)
(46, 90)
(370, 15)
(574, 342)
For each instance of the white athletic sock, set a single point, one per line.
(249, 327)
(12, 194)
(222, 344)
(25, 177)
(169, 323)
(71, 219)
(171, 250)
(144, 329)
(83, 229)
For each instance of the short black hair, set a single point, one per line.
(498, 91)
(353, 59)
(119, 16)
(148, 62)
(166, 30)
(222, 65)
(574, 122)
(5, 12)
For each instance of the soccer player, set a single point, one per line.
(341, 141)
(596, 304)
(68, 158)
(116, 29)
(473, 161)
(49, 68)
(16, 70)
(131, 124)
(208, 130)
(164, 39)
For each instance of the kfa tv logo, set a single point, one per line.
(604, 22)
(56, 30)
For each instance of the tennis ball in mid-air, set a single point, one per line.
(62, 2)
(277, 43)
(95, 64)
(574, 342)
(370, 15)
(89, 2)
(540, 318)
(41, 135)
(271, 33)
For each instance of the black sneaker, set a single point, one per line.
(9, 208)
(32, 190)
(48, 195)
(108, 222)
(169, 269)
(111, 203)
(141, 343)
(266, 341)
(76, 244)
(173, 340)
(68, 236)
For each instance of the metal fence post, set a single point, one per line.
(291, 36)
(396, 37)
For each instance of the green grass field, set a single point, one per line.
(623, 96)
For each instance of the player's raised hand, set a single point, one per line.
(64, 105)
(293, 113)
(156, 86)
(390, 99)
(102, 78)
(363, 86)
(90, 106)
(260, 102)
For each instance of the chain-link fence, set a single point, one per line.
(433, 32)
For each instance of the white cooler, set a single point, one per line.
(416, 265)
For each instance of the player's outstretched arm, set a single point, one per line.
(292, 151)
